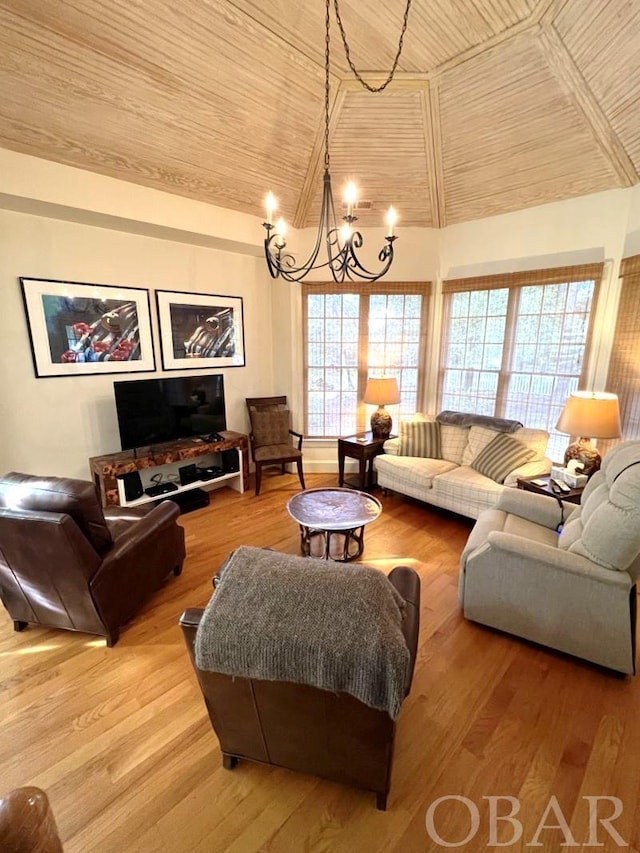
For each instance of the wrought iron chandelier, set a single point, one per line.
(342, 242)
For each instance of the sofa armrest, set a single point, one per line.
(540, 509)
(553, 559)
(299, 436)
(407, 583)
(536, 468)
(392, 446)
(27, 822)
(553, 597)
(191, 617)
(156, 533)
(189, 622)
(161, 516)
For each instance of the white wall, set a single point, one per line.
(53, 425)
(632, 241)
(31, 185)
(590, 228)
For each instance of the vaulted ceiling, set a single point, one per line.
(497, 104)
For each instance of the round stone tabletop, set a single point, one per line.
(333, 509)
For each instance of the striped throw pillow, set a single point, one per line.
(420, 438)
(501, 456)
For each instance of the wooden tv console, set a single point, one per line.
(166, 458)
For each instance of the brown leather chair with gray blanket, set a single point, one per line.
(292, 678)
(27, 824)
(67, 563)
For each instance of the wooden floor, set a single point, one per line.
(120, 740)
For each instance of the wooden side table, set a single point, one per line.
(572, 497)
(363, 447)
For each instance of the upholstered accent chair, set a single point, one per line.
(270, 436)
(302, 727)
(27, 824)
(67, 563)
(560, 575)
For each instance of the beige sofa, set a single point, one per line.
(575, 591)
(450, 481)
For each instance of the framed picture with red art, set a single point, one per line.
(82, 329)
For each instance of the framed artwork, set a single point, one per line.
(199, 330)
(82, 329)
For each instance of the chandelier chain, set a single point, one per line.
(326, 87)
(347, 52)
(341, 243)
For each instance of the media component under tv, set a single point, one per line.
(151, 411)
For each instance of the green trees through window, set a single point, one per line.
(516, 352)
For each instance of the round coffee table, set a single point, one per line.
(333, 512)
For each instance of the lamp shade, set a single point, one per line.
(593, 414)
(382, 391)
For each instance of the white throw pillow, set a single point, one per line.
(453, 440)
(534, 439)
(479, 437)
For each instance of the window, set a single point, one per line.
(352, 332)
(515, 346)
(624, 366)
(472, 354)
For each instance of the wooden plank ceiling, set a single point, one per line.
(497, 105)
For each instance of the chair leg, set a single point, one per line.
(229, 761)
(112, 638)
(258, 477)
(282, 468)
(18, 625)
(300, 474)
(177, 570)
(381, 801)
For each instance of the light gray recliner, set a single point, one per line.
(574, 591)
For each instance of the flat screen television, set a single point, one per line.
(156, 410)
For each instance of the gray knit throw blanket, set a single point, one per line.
(467, 419)
(335, 626)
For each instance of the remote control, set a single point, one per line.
(212, 436)
(562, 486)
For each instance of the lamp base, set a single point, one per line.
(583, 451)
(381, 423)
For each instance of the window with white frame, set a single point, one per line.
(353, 332)
(516, 346)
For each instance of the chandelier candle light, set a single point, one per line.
(341, 243)
(381, 391)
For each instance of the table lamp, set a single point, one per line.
(381, 391)
(589, 414)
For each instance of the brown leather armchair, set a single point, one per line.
(303, 728)
(27, 824)
(67, 563)
(270, 436)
